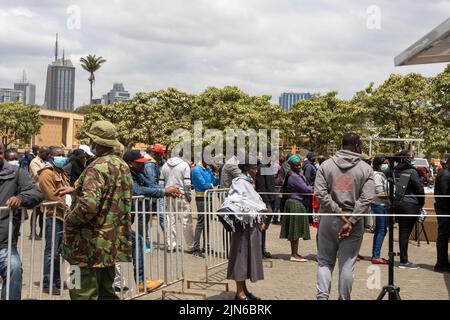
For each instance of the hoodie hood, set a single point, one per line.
(345, 159)
(173, 162)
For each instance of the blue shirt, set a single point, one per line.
(203, 178)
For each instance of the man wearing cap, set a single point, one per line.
(137, 162)
(97, 231)
(152, 172)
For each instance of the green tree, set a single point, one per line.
(439, 135)
(400, 108)
(320, 122)
(18, 122)
(148, 118)
(91, 64)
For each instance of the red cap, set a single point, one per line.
(158, 148)
(141, 160)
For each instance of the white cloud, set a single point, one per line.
(263, 46)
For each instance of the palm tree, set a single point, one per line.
(91, 64)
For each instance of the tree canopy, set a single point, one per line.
(18, 123)
(409, 106)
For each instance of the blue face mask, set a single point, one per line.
(59, 162)
(384, 168)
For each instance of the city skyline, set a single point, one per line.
(262, 47)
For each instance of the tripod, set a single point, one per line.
(391, 289)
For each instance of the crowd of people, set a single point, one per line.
(93, 186)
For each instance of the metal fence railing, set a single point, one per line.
(36, 270)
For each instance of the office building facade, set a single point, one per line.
(288, 99)
(10, 95)
(60, 86)
(28, 90)
(116, 94)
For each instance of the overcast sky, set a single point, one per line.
(262, 46)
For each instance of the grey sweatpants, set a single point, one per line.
(346, 251)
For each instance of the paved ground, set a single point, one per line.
(291, 280)
(283, 279)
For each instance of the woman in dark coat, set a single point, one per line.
(294, 227)
(245, 258)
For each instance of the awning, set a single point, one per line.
(432, 48)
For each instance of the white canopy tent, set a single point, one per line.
(432, 48)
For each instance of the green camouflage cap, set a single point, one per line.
(104, 133)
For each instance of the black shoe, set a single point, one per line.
(55, 291)
(118, 289)
(198, 254)
(441, 269)
(267, 255)
(252, 297)
(239, 298)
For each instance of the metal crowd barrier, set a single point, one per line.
(216, 239)
(152, 231)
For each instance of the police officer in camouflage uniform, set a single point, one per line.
(97, 231)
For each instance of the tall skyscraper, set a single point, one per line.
(116, 94)
(28, 89)
(60, 86)
(10, 95)
(288, 99)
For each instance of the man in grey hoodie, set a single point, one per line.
(345, 188)
(177, 172)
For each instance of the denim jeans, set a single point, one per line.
(59, 226)
(148, 217)
(15, 285)
(380, 229)
(140, 257)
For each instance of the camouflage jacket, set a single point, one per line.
(97, 231)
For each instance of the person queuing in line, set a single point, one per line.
(76, 165)
(177, 172)
(410, 202)
(17, 189)
(12, 157)
(276, 209)
(203, 179)
(379, 208)
(152, 173)
(26, 159)
(97, 230)
(137, 162)
(230, 169)
(294, 227)
(51, 178)
(245, 256)
(442, 207)
(38, 163)
(310, 172)
(265, 186)
(344, 186)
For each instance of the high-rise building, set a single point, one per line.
(288, 99)
(28, 89)
(117, 94)
(10, 95)
(60, 85)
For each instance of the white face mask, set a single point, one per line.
(14, 163)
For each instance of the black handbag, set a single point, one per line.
(228, 220)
